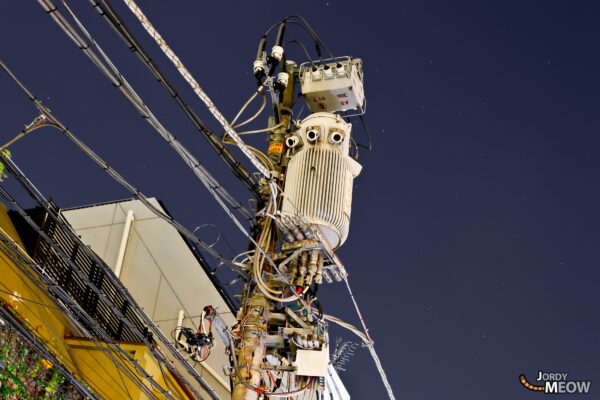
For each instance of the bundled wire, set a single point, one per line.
(302, 22)
(136, 10)
(114, 76)
(110, 15)
(72, 310)
(115, 175)
(263, 158)
(256, 161)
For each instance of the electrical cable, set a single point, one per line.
(125, 88)
(263, 158)
(252, 118)
(254, 94)
(14, 250)
(115, 175)
(58, 293)
(117, 284)
(259, 390)
(36, 195)
(59, 336)
(369, 344)
(65, 298)
(152, 32)
(241, 143)
(209, 104)
(135, 9)
(307, 29)
(261, 130)
(28, 300)
(313, 33)
(106, 11)
(89, 284)
(299, 43)
(370, 146)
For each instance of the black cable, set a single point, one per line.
(116, 176)
(312, 32)
(107, 11)
(319, 309)
(307, 29)
(275, 25)
(303, 48)
(126, 90)
(364, 125)
(108, 274)
(78, 317)
(30, 301)
(370, 146)
(355, 147)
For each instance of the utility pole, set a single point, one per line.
(279, 347)
(256, 307)
(282, 343)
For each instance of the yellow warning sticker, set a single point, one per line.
(275, 147)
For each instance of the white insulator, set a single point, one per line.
(283, 78)
(292, 141)
(259, 65)
(328, 72)
(336, 137)
(313, 134)
(319, 178)
(277, 52)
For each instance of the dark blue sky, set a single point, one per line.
(473, 248)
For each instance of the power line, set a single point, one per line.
(80, 312)
(59, 336)
(29, 300)
(109, 14)
(370, 343)
(119, 82)
(135, 9)
(54, 291)
(81, 315)
(116, 176)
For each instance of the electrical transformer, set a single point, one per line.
(318, 183)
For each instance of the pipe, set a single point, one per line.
(124, 239)
(179, 321)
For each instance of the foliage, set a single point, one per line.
(6, 154)
(24, 374)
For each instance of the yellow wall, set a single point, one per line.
(95, 366)
(50, 324)
(81, 356)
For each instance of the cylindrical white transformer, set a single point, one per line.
(318, 182)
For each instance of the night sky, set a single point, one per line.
(473, 249)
